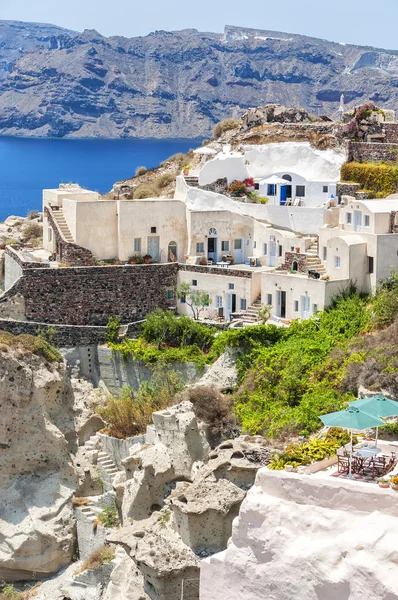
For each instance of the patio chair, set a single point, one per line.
(379, 466)
(343, 464)
(391, 464)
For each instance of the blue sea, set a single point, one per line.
(27, 166)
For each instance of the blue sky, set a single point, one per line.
(362, 22)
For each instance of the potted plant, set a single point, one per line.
(384, 482)
(394, 482)
(203, 260)
(147, 259)
(297, 250)
(136, 259)
(186, 169)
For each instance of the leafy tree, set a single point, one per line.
(112, 330)
(197, 300)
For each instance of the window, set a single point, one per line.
(137, 244)
(269, 299)
(243, 303)
(280, 250)
(254, 244)
(238, 244)
(314, 309)
(300, 191)
(225, 246)
(265, 249)
(367, 221)
(291, 248)
(170, 294)
(370, 264)
(324, 253)
(218, 301)
(337, 262)
(212, 232)
(271, 189)
(325, 189)
(153, 229)
(256, 186)
(348, 218)
(50, 234)
(295, 306)
(182, 298)
(194, 282)
(287, 177)
(231, 286)
(200, 248)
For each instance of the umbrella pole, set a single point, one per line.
(350, 466)
(377, 435)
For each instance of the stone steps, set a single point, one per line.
(191, 181)
(89, 513)
(62, 225)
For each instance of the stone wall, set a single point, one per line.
(394, 222)
(372, 152)
(65, 335)
(347, 189)
(219, 186)
(89, 295)
(290, 258)
(216, 271)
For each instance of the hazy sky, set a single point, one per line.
(362, 22)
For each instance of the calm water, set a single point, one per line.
(29, 165)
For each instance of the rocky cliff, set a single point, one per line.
(54, 82)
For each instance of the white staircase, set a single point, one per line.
(97, 456)
(191, 180)
(313, 261)
(251, 314)
(62, 225)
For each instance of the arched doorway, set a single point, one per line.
(288, 188)
(212, 244)
(172, 252)
(295, 266)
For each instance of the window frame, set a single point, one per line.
(366, 221)
(225, 246)
(194, 283)
(348, 218)
(269, 299)
(265, 249)
(231, 286)
(337, 261)
(370, 265)
(296, 306)
(298, 195)
(137, 244)
(324, 253)
(218, 301)
(243, 304)
(202, 244)
(325, 189)
(153, 230)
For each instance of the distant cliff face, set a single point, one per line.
(55, 82)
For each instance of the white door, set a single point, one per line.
(229, 306)
(238, 251)
(278, 303)
(153, 247)
(358, 220)
(272, 254)
(305, 307)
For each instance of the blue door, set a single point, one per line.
(283, 194)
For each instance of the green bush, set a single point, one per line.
(100, 557)
(112, 330)
(109, 517)
(224, 126)
(309, 452)
(379, 179)
(385, 303)
(297, 378)
(164, 329)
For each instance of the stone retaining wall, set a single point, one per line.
(65, 335)
(227, 271)
(89, 295)
(372, 152)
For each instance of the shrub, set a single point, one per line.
(31, 231)
(112, 330)
(379, 179)
(129, 414)
(145, 191)
(140, 171)
(109, 517)
(80, 501)
(103, 555)
(224, 126)
(30, 344)
(312, 451)
(216, 410)
(385, 303)
(178, 158)
(33, 214)
(165, 329)
(165, 180)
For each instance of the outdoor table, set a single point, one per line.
(367, 452)
(223, 264)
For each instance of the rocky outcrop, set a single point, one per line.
(308, 538)
(58, 83)
(37, 478)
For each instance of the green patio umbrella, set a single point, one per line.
(353, 419)
(378, 406)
